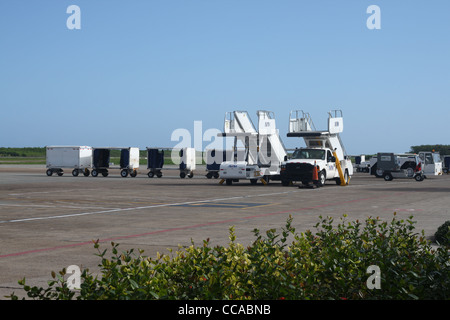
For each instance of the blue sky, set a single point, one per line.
(138, 70)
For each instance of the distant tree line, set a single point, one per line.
(22, 152)
(443, 149)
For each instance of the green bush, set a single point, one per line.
(329, 264)
(442, 235)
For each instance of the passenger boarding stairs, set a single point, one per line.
(301, 125)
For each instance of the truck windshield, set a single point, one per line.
(309, 154)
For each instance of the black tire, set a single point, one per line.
(133, 174)
(86, 173)
(322, 178)
(94, 173)
(105, 174)
(419, 177)
(150, 174)
(124, 173)
(49, 172)
(209, 175)
(159, 174)
(75, 172)
(229, 182)
(253, 181)
(387, 177)
(182, 175)
(60, 173)
(216, 175)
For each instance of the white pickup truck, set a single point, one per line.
(324, 152)
(300, 167)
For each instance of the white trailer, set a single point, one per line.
(77, 158)
(257, 154)
(324, 157)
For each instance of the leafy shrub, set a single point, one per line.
(442, 235)
(329, 264)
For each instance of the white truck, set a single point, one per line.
(257, 154)
(324, 157)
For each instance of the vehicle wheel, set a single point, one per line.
(182, 175)
(253, 181)
(379, 173)
(133, 174)
(151, 174)
(190, 175)
(418, 177)
(216, 175)
(60, 173)
(94, 173)
(49, 172)
(75, 172)
(86, 173)
(159, 174)
(124, 173)
(209, 175)
(229, 182)
(322, 179)
(346, 177)
(387, 177)
(105, 174)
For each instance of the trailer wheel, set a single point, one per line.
(94, 173)
(216, 175)
(60, 173)
(159, 174)
(124, 173)
(190, 175)
(387, 177)
(182, 175)
(133, 174)
(209, 175)
(86, 173)
(75, 172)
(151, 174)
(105, 174)
(419, 177)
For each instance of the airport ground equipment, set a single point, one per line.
(214, 158)
(324, 157)
(361, 164)
(392, 166)
(77, 158)
(446, 164)
(128, 162)
(431, 163)
(184, 159)
(257, 154)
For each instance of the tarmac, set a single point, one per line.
(50, 223)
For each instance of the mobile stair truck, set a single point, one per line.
(257, 155)
(324, 157)
(77, 158)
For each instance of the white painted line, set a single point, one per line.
(145, 207)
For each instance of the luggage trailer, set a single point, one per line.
(128, 163)
(185, 161)
(77, 158)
